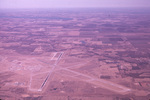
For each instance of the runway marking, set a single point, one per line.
(30, 82)
(54, 55)
(51, 71)
(98, 82)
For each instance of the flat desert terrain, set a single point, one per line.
(75, 54)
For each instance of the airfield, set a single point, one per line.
(95, 54)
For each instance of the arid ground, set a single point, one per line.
(75, 54)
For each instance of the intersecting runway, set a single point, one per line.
(84, 77)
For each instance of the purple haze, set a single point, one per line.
(72, 3)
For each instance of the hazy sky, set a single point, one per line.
(72, 3)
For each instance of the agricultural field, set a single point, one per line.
(75, 54)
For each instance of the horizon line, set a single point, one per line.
(71, 7)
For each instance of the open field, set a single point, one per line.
(75, 54)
